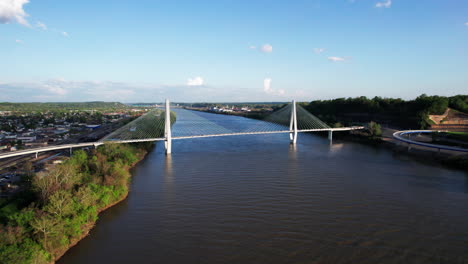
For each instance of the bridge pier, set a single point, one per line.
(330, 135)
(293, 124)
(167, 129)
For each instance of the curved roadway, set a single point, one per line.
(399, 135)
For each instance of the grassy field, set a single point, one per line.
(463, 136)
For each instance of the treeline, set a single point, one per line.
(62, 204)
(28, 107)
(396, 112)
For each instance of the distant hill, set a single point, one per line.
(61, 106)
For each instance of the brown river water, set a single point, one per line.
(257, 199)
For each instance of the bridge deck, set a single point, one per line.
(98, 143)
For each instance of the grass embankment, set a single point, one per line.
(459, 139)
(62, 204)
(462, 136)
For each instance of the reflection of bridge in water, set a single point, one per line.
(156, 125)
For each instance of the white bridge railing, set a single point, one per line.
(400, 135)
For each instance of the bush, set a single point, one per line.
(374, 129)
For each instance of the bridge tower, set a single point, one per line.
(167, 129)
(293, 124)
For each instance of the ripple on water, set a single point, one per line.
(254, 199)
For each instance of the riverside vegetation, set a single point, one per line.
(410, 114)
(61, 205)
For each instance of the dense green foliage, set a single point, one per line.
(28, 107)
(66, 201)
(374, 129)
(463, 136)
(398, 112)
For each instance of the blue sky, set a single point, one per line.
(257, 50)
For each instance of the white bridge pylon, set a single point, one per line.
(293, 124)
(167, 129)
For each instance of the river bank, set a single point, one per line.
(69, 198)
(88, 227)
(447, 158)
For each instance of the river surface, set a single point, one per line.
(257, 199)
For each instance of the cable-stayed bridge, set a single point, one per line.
(157, 125)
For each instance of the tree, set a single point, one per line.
(45, 226)
(60, 204)
(85, 196)
(63, 176)
(44, 185)
(374, 129)
(28, 171)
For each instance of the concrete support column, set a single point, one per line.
(167, 129)
(330, 135)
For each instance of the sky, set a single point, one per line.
(231, 50)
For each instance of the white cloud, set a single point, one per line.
(41, 25)
(62, 90)
(319, 50)
(267, 48)
(336, 59)
(55, 90)
(197, 81)
(268, 90)
(19, 41)
(110, 93)
(65, 34)
(385, 4)
(267, 85)
(55, 87)
(466, 24)
(12, 11)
